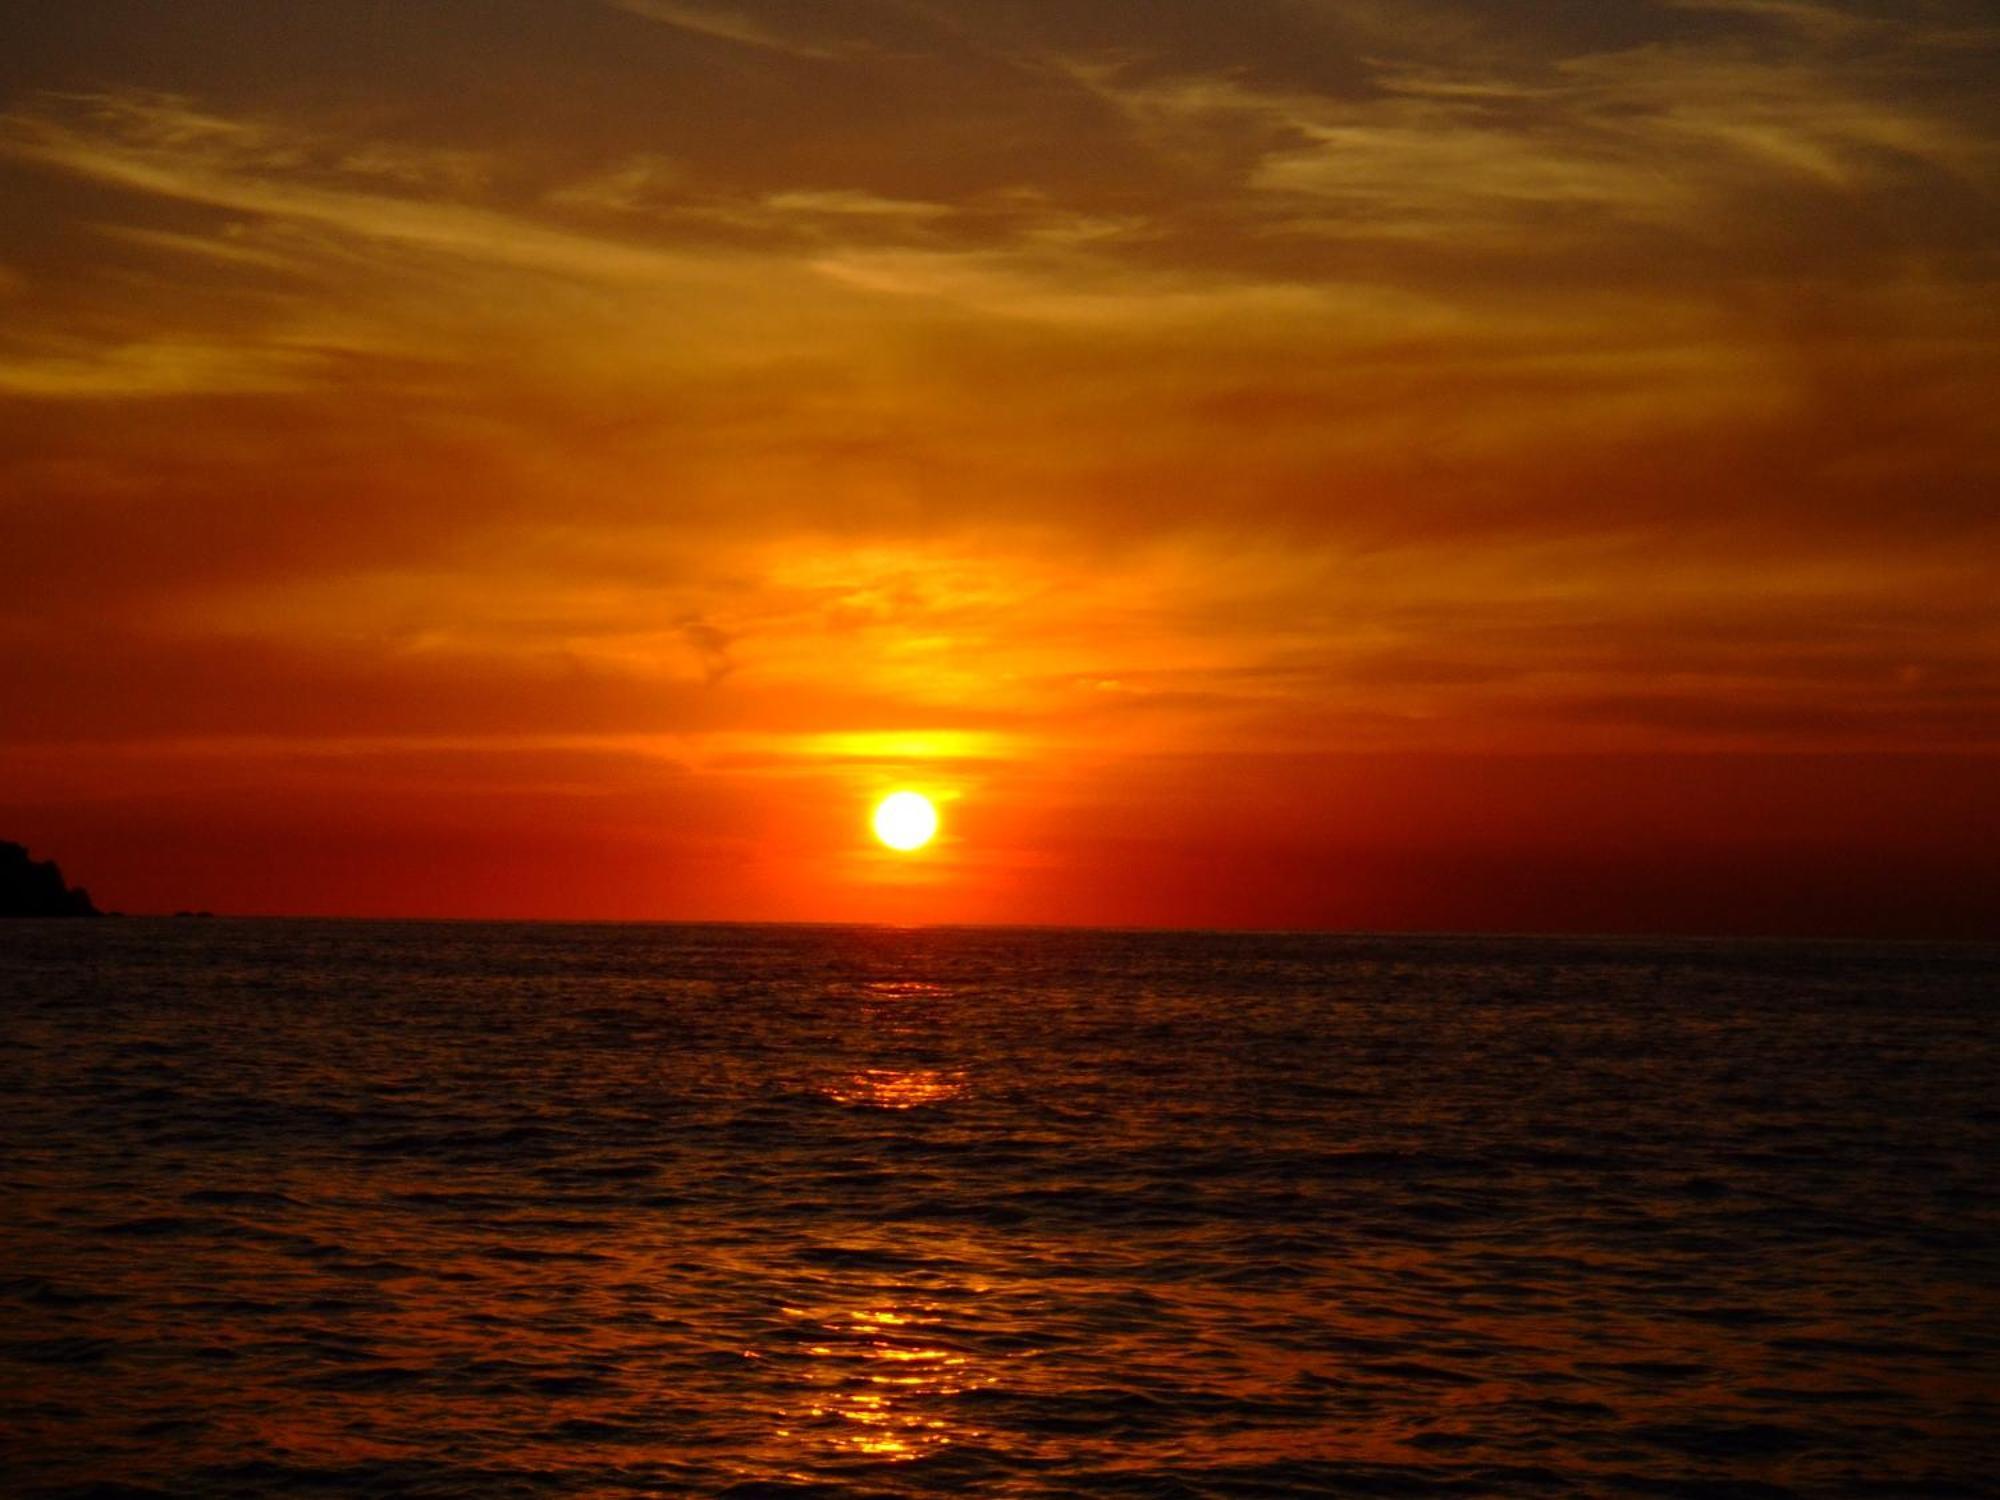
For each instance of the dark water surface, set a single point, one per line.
(496, 1210)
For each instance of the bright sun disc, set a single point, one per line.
(905, 820)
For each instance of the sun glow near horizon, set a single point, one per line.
(905, 821)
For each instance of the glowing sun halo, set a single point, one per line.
(905, 820)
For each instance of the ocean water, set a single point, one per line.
(327, 1209)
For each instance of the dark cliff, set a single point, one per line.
(34, 888)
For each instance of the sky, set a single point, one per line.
(1284, 463)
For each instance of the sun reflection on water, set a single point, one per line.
(904, 990)
(876, 1352)
(879, 1379)
(897, 1088)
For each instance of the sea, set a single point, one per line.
(521, 1210)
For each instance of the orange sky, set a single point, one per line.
(1292, 462)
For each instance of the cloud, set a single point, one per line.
(1449, 405)
(711, 646)
(847, 203)
(1825, 24)
(721, 24)
(644, 183)
(160, 368)
(164, 146)
(1671, 136)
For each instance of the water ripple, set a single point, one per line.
(463, 1210)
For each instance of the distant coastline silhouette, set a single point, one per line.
(35, 888)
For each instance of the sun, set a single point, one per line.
(905, 820)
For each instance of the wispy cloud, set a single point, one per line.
(722, 24)
(1667, 134)
(157, 368)
(1820, 23)
(166, 147)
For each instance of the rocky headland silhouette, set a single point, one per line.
(34, 888)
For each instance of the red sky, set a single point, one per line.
(1299, 463)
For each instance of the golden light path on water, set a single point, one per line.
(886, 1370)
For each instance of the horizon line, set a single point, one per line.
(1148, 929)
